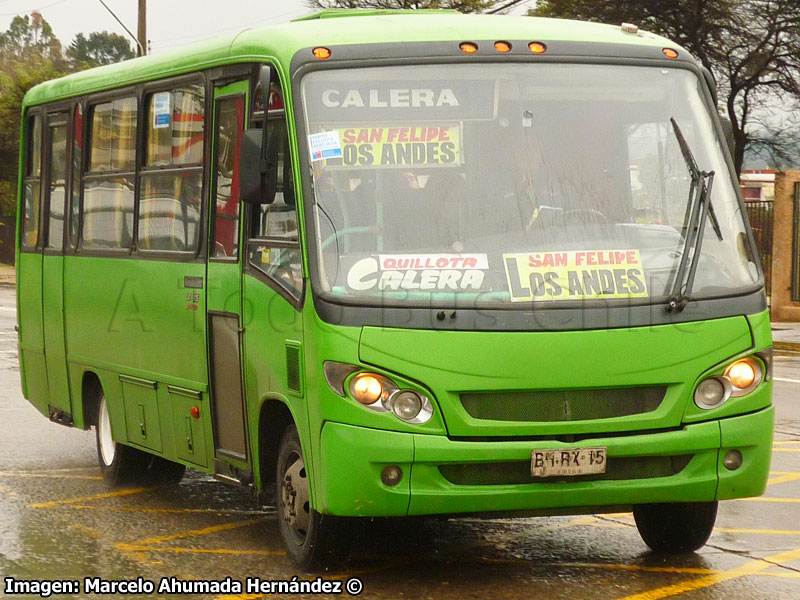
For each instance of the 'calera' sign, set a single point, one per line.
(575, 275)
(394, 99)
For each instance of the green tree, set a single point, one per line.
(30, 35)
(465, 6)
(751, 46)
(100, 48)
(30, 53)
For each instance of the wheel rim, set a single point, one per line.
(108, 448)
(294, 496)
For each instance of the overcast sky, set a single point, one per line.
(170, 23)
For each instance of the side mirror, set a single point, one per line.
(258, 182)
(258, 172)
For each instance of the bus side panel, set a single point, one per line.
(31, 333)
(136, 319)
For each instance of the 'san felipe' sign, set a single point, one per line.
(575, 275)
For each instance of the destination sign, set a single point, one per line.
(398, 146)
(575, 275)
(400, 100)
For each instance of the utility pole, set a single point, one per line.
(142, 27)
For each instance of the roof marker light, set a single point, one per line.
(670, 53)
(537, 47)
(502, 47)
(321, 53)
(468, 47)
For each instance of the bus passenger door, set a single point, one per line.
(272, 289)
(232, 459)
(29, 268)
(55, 196)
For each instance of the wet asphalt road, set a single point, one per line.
(59, 521)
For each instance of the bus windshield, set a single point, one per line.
(515, 184)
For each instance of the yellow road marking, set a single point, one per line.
(786, 449)
(202, 511)
(753, 567)
(116, 494)
(784, 478)
(758, 531)
(765, 499)
(44, 475)
(776, 442)
(185, 534)
(232, 551)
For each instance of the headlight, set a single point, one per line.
(739, 379)
(369, 389)
(744, 376)
(381, 394)
(712, 392)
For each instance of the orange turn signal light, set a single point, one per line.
(366, 388)
(670, 53)
(502, 47)
(468, 47)
(321, 53)
(537, 47)
(742, 374)
(195, 412)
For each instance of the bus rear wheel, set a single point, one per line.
(119, 463)
(675, 528)
(313, 541)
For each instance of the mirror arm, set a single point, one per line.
(264, 77)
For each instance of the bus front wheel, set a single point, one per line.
(118, 463)
(675, 528)
(313, 541)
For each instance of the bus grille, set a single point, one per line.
(519, 472)
(550, 406)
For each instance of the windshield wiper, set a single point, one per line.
(698, 209)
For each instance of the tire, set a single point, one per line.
(119, 464)
(313, 541)
(165, 471)
(675, 528)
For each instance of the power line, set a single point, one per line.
(135, 39)
(511, 4)
(30, 10)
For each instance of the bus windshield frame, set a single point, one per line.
(317, 214)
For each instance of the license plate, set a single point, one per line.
(568, 462)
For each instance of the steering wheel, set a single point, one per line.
(345, 233)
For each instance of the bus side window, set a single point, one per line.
(56, 184)
(108, 185)
(274, 245)
(77, 158)
(32, 183)
(171, 180)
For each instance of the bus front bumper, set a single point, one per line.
(443, 476)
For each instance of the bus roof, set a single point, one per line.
(333, 27)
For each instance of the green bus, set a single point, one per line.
(391, 264)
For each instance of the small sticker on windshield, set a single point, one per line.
(162, 110)
(324, 145)
(576, 275)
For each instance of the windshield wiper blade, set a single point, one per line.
(698, 210)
